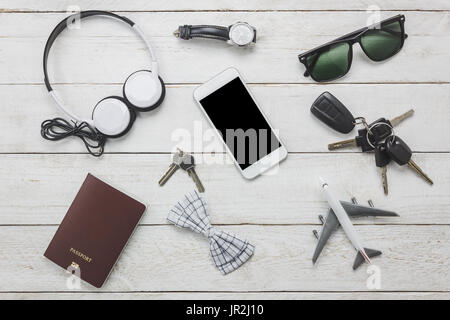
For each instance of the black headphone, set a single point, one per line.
(113, 116)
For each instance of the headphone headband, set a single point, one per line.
(85, 14)
(112, 116)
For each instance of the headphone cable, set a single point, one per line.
(59, 128)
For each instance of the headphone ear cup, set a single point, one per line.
(112, 116)
(143, 92)
(132, 119)
(163, 93)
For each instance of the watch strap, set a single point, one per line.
(187, 32)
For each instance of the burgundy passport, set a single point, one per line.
(94, 231)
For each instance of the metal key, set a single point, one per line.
(342, 144)
(176, 160)
(399, 151)
(353, 142)
(188, 164)
(382, 159)
(380, 130)
(400, 118)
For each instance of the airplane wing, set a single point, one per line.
(355, 210)
(329, 226)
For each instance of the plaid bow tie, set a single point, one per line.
(227, 251)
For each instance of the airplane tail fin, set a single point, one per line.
(360, 259)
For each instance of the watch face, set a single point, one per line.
(241, 34)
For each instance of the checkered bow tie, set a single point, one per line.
(227, 251)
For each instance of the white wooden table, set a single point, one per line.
(39, 179)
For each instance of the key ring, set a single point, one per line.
(362, 121)
(375, 125)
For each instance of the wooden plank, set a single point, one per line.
(38, 189)
(229, 296)
(179, 121)
(222, 5)
(166, 258)
(43, 24)
(86, 55)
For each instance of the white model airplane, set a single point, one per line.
(340, 213)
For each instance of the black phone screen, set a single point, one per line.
(240, 122)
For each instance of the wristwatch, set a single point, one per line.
(240, 33)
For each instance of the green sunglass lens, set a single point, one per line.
(380, 44)
(329, 64)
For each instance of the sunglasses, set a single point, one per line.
(333, 59)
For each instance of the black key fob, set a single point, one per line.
(361, 141)
(382, 157)
(328, 109)
(381, 129)
(398, 150)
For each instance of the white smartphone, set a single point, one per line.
(243, 128)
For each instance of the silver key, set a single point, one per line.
(400, 118)
(176, 160)
(352, 142)
(188, 164)
(342, 144)
(384, 180)
(382, 159)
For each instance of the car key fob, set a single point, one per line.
(328, 109)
